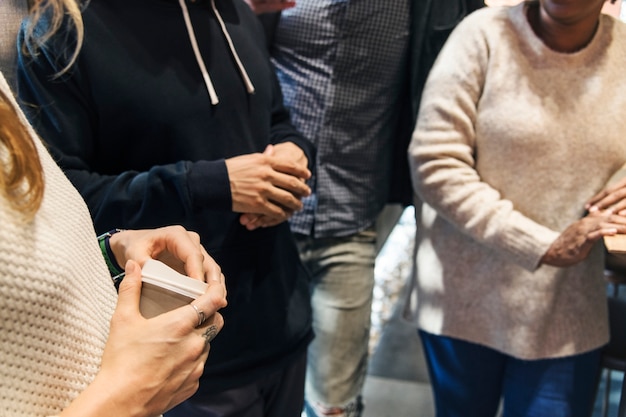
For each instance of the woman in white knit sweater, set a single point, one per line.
(521, 125)
(65, 347)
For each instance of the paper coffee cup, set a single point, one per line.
(165, 289)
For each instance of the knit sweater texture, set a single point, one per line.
(57, 298)
(512, 139)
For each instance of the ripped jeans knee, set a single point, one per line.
(352, 409)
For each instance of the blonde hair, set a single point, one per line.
(21, 176)
(55, 13)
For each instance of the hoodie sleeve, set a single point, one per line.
(62, 113)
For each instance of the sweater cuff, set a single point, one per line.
(527, 242)
(209, 185)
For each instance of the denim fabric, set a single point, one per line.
(470, 380)
(342, 271)
(353, 409)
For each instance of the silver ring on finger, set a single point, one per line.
(201, 316)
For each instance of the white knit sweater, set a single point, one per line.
(512, 139)
(56, 299)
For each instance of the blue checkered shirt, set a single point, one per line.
(342, 67)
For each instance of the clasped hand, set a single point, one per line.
(268, 187)
(613, 197)
(606, 217)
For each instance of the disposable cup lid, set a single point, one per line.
(157, 273)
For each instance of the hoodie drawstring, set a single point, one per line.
(242, 70)
(194, 44)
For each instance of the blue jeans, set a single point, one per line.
(469, 380)
(342, 271)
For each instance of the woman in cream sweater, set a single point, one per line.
(521, 125)
(66, 348)
(69, 345)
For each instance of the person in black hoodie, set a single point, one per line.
(171, 114)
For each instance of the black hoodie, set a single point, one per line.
(134, 129)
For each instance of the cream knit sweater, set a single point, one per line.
(56, 299)
(512, 139)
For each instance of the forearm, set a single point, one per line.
(104, 398)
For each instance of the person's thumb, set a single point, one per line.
(130, 288)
